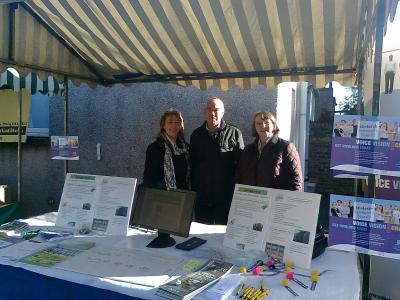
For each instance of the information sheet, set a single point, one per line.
(365, 225)
(366, 145)
(282, 223)
(99, 203)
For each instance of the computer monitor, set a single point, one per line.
(168, 211)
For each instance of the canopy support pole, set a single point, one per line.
(380, 23)
(65, 118)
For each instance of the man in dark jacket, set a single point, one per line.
(215, 149)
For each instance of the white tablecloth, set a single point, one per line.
(341, 283)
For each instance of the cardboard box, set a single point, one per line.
(5, 194)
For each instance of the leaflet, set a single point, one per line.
(280, 222)
(99, 203)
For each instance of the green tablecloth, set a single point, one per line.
(9, 212)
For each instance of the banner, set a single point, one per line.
(386, 187)
(365, 225)
(9, 116)
(366, 144)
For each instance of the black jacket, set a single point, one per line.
(214, 157)
(154, 167)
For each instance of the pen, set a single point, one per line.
(247, 292)
(239, 289)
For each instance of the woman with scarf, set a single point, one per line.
(167, 159)
(269, 161)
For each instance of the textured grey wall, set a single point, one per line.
(124, 120)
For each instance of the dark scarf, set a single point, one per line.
(170, 150)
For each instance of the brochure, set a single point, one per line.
(188, 286)
(281, 222)
(58, 253)
(15, 227)
(99, 203)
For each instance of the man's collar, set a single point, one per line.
(221, 125)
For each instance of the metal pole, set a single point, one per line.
(380, 23)
(65, 118)
(19, 146)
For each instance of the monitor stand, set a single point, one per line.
(163, 240)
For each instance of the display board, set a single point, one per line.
(280, 222)
(94, 202)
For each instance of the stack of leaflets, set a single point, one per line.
(188, 286)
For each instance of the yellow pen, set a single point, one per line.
(262, 296)
(239, 289)
(256, 294)
(246, 291)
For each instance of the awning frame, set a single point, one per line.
(133, 77)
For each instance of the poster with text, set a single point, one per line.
(98, 203)
(366, 144)
(65, 147)
(386, 187)
(365, 225)
(9, 115)
(281, 223)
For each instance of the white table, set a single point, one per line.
(342, 283)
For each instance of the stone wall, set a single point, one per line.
(124, 120)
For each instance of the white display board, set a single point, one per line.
(281, 222)
(98, 203)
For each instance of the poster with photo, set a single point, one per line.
(281, 223)
(64, 147)
(365, 225)
(98, 203)
(366, 145)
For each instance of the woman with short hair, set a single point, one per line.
(269, 161)
(167, 159)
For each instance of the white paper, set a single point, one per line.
(99, 203)
(128, 265)
(280, 222)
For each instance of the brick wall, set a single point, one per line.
(320, 141)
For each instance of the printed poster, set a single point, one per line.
(365, 225)
(281, 223)
(65, 147)
(98, 203)
(366, 144)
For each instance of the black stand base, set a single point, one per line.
(164, 240)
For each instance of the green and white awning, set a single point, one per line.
(32, 83)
